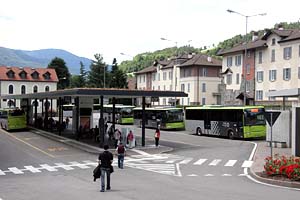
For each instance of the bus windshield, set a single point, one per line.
(126, 112)
(174, 115)
(254, 117)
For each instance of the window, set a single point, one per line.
(287, 53)
(164, 88)
(272, 75)
(248, 68)
(144, 78)
(23, 75)
(153, 88)
(260, 57)
(229, 79)
(35, 89)
(247, 86)
(140, 77)
(47, 76)
(203, 101)
(170, 75)
(170, 87)
(182, 101)
(186, 73)
(10, 89)
(286, 74)
(10, 74)
(165, 76)
(237, 78)
(47, 89)
(188, 101)
(35, 75)
(259, 95)
(203, 71)
(158, 76)
(189, 87)
(182, 87)
(164, 101)
(248, 54)
(229, 61)
(238, 60)
(273, 55)
(158, 87)
(11, 103)
(272, 98)
(23, 89)
(260, 76)
(273, 41)
(153, 76)
(203, 87)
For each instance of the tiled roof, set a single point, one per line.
(28, 71)
(294, 35)
(147, 70)
(201, 59)
(241, 47)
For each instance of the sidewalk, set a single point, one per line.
(256, 170)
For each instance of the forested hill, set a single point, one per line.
(146, 59)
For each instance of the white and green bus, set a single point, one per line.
(123, 113)
(227, 121)
(160, 117)
(12, 119)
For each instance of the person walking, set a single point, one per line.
(67, 122)
(121, 154)
(157, 136)
(117, 137)
(130, 139)
(105, 160)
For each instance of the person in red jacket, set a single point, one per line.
(157, 136)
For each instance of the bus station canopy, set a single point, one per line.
(294, 92)
(96, 92)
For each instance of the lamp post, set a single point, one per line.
(175, 67)
(244, 63)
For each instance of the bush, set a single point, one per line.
(281, 165)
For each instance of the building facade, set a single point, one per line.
(197, 75)
(23, 80)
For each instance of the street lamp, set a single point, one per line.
(244, 69)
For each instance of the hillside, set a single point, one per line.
(41, 58)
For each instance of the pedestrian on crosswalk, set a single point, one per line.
(121, 150)
(156, 137)
(105, 160)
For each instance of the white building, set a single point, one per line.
(23, 80)
(197, 75)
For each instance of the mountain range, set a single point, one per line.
(41, 58)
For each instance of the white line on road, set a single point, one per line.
(215, 162)
(1, 174)
(230, 163)
(77, 164)
(200, 161)
(15, 170)
(48, 167)
(32, 169)
(61, 165)
(247, 163)
(186, 161)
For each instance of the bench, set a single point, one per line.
(277, 144)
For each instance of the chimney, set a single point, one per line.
(190, 55)
(280, 27)
(254, 36)
(208, 59)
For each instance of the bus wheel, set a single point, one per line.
(230, 135)
(199, 131)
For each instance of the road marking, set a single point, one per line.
(208, 175)
(247, 163)
(36, 148)
(191, 175)
(186, 161)
(226, 175)
(15, 170)
(1, 173)
(230, 163)
(200, 162)
(61, 165)
(32, 169)
(77, 164)
(215, 162)
(48, 167)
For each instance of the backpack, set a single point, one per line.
(121, 149)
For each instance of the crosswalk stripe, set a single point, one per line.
(247, 163)
(230, 163)
(215, 162)
(81, 166)
(15, 170)
(66, 167)
(1, 172)
(48, 167)
(186, 161)
(200, 161)
(208, 175)
(32, 169)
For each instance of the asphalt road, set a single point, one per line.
(34, 167)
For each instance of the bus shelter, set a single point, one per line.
(81, 97)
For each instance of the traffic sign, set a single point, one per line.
(272, 116)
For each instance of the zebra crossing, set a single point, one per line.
(166, 164)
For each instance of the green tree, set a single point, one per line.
(97, 73)
(62, 71)
(117, 77)
(79, 81)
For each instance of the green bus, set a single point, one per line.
(227, 121)
(12, 119)
(123, 113)
(160, 117)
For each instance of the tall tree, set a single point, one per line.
(62, 71)
(97, 73)
(117, 77)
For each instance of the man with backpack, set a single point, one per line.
(121, 154)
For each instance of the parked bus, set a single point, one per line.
(13, 119)
(123, 113)
(68, 110)
(160, 117)
(231, 122)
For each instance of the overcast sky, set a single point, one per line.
(109, 27)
